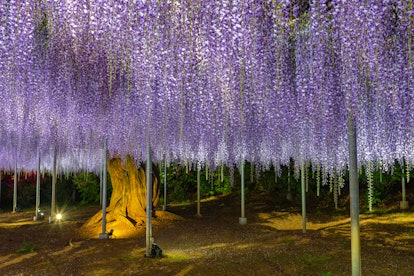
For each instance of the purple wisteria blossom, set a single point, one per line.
(206, 81)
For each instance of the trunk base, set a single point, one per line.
(127, 209)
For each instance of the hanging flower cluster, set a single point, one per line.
(206, 81)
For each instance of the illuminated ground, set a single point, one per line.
(271, 243)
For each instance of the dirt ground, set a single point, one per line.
(271, 243)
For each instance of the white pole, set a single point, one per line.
(37, 185)
(148, 172)
(403, 192)
(104, 235)
(54, 179)
(165, 185)
(15, 188)
(101, 179)
(198, 189)
(207, 172)
(276, 174)
(318, 175)
(251, 172)
(306, 178)
(404, 202)
(289, 194)
(303, 198)
(242, 219)
(0, 184)
(354, 198)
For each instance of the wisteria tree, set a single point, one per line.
(211, 81)
(127, 206)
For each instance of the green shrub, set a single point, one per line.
(26, 195)
(28, 248)
(88, 186)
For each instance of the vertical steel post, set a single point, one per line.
(403, 191)
(207, 172)
(198, 189)
(54, 180)
(104, 172)
(354, 198)
(148, 172)
(275, 169)
(165, 185)
(15, 188)
(101, 178)
(289, 194)
(303, 198)
(251, 172)
(404, 202)
(0, 184)
(37, 184)
(242, 219)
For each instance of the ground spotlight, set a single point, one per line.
(58, 216)
(40, 215)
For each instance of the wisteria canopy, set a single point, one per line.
(206, 81)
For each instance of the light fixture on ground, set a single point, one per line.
(40, 215)
(59, 217)
(56, 218)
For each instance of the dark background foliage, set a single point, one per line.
(84, 187)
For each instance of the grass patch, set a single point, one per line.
(318, 213)
(306, 264)
(344, 243)
(128, 257)
(28, 248)
(409, 233)
(279, 258)
(288, 240)
(315, 262)
(179, 203)
(175, 257)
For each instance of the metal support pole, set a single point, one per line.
(101, 179)
(37, 185)
(54, 180)
(242, 219)
(15, 188)
(0, 184)
(403, 192)
(303, 198)
(165, 185)
(289, 194)
(251, 172)
(404, 202)
(104, 235)
(198, 189)
(354, 198)
(207, 172)
(148, 172)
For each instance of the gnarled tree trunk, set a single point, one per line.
(127, 207)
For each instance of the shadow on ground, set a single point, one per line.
(272, 243)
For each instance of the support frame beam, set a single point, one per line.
(104, 235)
(354, 198)
(242, 219)
(148, 224)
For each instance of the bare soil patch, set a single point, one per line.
(271, 243)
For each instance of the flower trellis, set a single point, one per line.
(208, 81)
